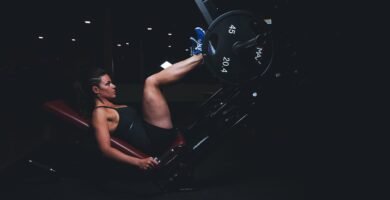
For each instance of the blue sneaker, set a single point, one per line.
(196, 47)
(200, 33)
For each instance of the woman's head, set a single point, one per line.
(96, 84)
(101, 85)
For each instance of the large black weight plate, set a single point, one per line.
(238, 65)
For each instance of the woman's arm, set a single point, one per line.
(102, 134)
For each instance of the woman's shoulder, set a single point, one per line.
(104, 112)
(103, 109)
(99, 110)
(98, 115)
(114, 106)
(121, 106)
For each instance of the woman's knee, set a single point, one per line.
(152, 81)
(151, 88)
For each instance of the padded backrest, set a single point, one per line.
(62, 110)
(65, 112)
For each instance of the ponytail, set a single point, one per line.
(85, 98)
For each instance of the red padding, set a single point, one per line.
(64, 111)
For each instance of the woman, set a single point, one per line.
(154, 131)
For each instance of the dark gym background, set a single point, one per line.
(310, 132)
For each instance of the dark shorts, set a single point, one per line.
(160, 138)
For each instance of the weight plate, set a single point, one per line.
(238, 47)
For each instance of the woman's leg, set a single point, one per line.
(155, 107)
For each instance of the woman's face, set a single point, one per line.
(105, 89)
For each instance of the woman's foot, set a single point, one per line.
(196, 47)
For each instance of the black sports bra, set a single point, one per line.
(131, 128)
